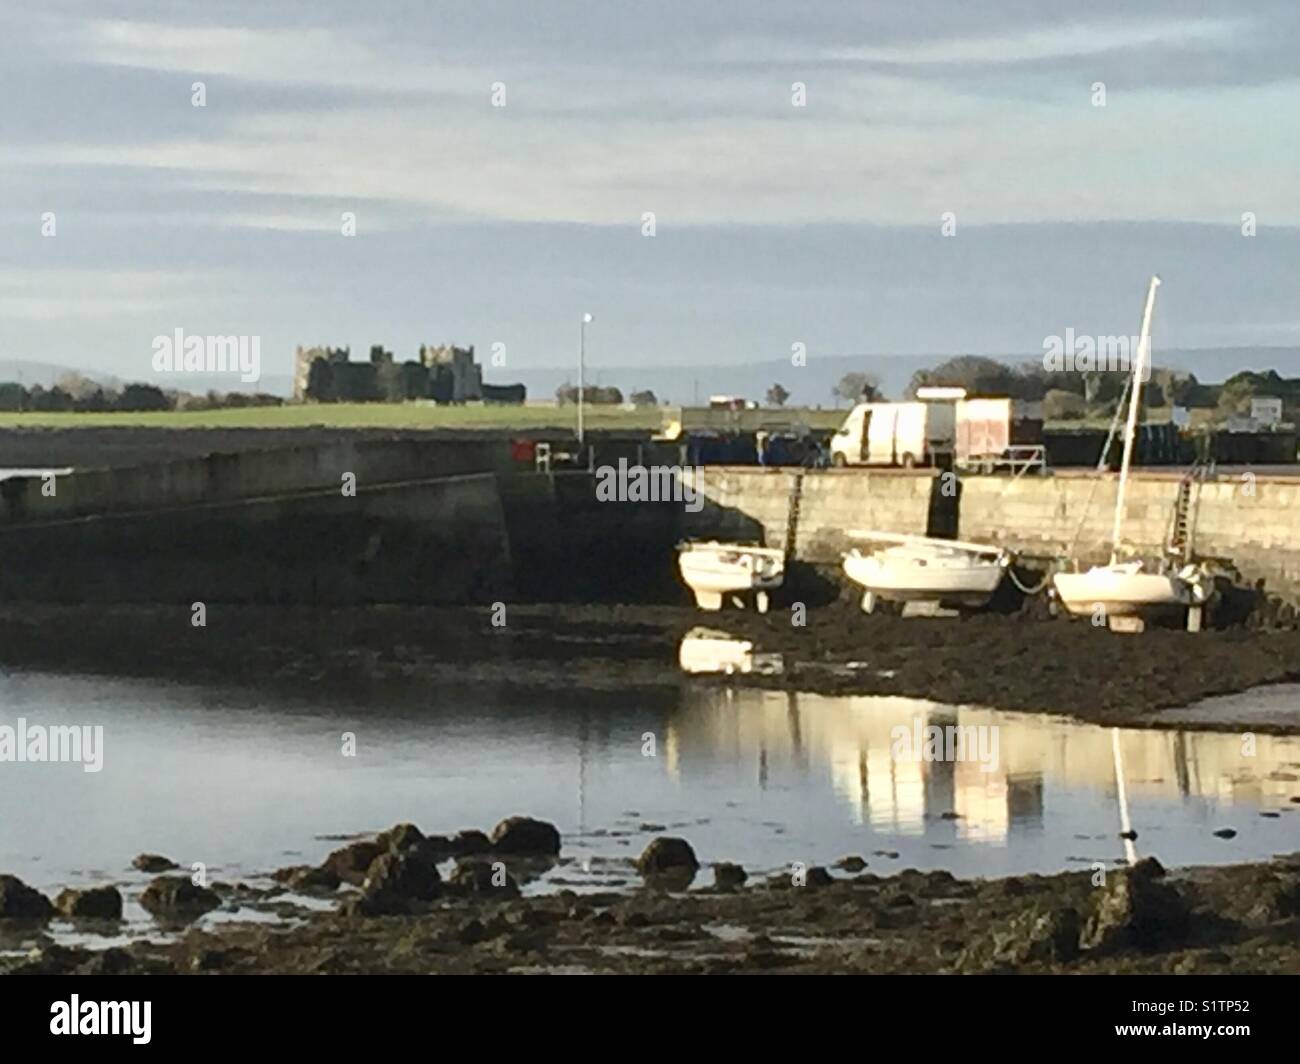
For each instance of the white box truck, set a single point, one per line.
(898, 434)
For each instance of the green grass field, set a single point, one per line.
(353, 415)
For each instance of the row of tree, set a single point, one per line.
(1073, 393)
(567, 395)
(74, 393)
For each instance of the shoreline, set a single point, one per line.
(390, 911)
(1009, 663)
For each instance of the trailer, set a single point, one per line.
(998, 434)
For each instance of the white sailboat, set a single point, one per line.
(713, 569)
(1126, 592)
(923, 569)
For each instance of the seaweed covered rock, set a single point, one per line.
(525, 836)
(18, 901)
(728, 876)
(1036, 936)
(92, 903)
(154, 863)
(177, 898)
(1136, 910)
(397, 883)
(483, 877)
(350, 863)
(668, 863)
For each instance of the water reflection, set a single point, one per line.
(247, 781)
(847, 744)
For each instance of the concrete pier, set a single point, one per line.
(447, 520)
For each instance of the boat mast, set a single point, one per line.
(1130, 430)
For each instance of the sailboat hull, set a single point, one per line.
(921, 575)
(712, 570)
(1121, 591)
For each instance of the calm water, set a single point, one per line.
(247, 785)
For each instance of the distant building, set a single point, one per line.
(304, 357)
(444, 373)
(455, 376)
(1266, 411)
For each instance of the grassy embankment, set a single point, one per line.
(350, 415)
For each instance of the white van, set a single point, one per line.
(898, 434)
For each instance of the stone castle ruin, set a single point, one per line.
(443, 373)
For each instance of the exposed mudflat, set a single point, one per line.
(1237, 919)
(1010, 662)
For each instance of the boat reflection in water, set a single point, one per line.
(1017, 775)
(707, 650)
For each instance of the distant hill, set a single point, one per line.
(46, 373)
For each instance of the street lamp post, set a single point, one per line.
(582, 363)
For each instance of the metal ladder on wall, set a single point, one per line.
(1179, 542)
(793, 505)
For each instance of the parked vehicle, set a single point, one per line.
(897, 434)
(993, 434)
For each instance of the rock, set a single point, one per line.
(154, 863)
(18, 901)
(728, 876)
(397, 879)
(178, 897)
(483, 877)
(305, 877)
(525, 836)
(1225, 833)
(94, 903)
(1034, 936)
(667, 854)
(851, 864)
(524, 942)
(471, 932)
(351, 863)
(1278, 900)
(817, 876)
(1149, 868)
(469, 843)
(112, 961)
(209, 960)
(1136, 910)
(400, 837)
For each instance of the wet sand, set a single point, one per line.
(1007, 662)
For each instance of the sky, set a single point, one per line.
(1073, 149)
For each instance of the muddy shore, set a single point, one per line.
(1012, 663)
(397, 914)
